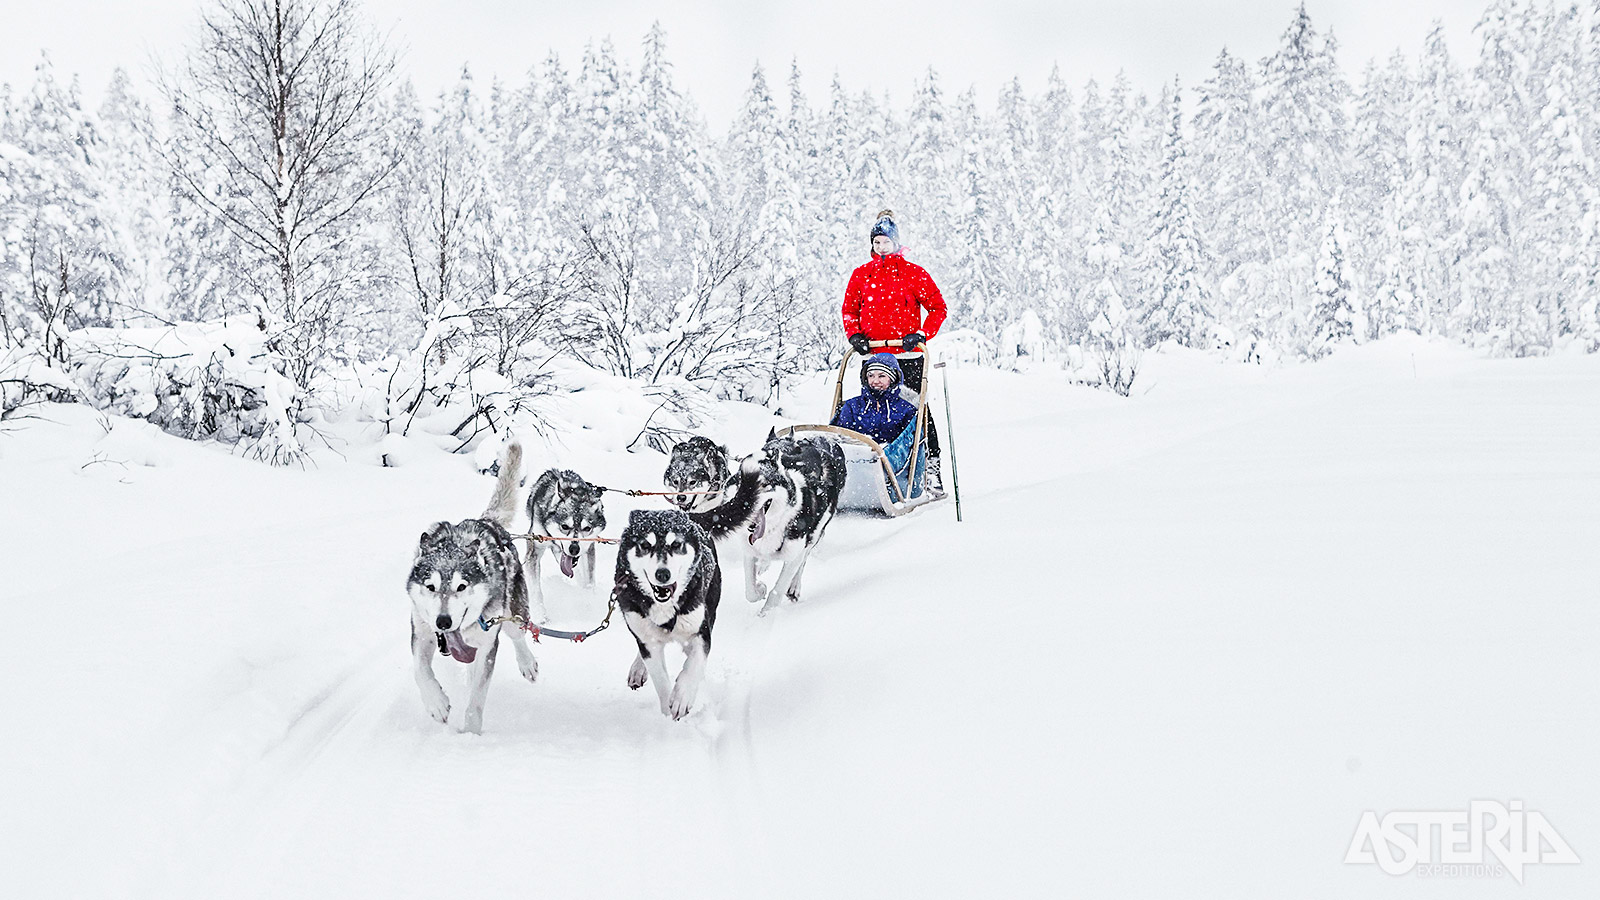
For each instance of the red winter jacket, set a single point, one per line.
(886, 298)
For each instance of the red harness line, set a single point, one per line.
(535, 631)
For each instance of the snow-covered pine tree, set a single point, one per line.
(535, 163)
(1090, 244)
(1562, 217)
(604, 204)
(1333, 315)
(877, 171)
(1113, 185)
(1304, 128)
(136, 197)
(66, 253)
(979, 293)
(16, 296)
(814, 329)
(767, 207)
(676, 161)
(1379, 266)
(1016, 241)
(1587, 65)
(1054, 192)
(201, 256)
(1177, 301)
(1426, 199)
(928, 210)
(1229, 202)
(1495, 303)
(839, 242)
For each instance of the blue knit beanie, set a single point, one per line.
(883, 362)
(886, 227)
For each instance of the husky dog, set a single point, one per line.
(800, 481)
(697, 464)
(668, 585)
(563, 505)
(464, 576)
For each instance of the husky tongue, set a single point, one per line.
(759, 526)
(566, 563)
(460, 649)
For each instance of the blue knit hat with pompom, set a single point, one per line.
(886, 227)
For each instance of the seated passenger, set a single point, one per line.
(879, 411)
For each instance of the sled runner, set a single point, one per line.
(890, 476)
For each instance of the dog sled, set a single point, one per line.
(890, 476)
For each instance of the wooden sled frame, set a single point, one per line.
(891, 498)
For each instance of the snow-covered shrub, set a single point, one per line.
(1117, 355)
(206, 380)
(26, 377)
(680, 408)
(1022, 343)
(965, 347)
(466, 376)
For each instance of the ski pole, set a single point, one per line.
(950, 433)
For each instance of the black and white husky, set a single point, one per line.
(563, 505)
(800, 481)
(697, 464)
(464, 577)
(668, 585)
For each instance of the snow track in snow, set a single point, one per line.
(1182, 640)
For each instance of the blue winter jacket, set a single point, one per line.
(881, 415)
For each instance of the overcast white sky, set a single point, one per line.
(877, 44)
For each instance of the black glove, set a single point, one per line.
(860, 342)
(911, 341)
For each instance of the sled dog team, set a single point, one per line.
(468, 577)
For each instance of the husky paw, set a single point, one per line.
(756, 593)
(438, 707)
(637, 676)
(529, 668)
(472, 723)
(679, 704)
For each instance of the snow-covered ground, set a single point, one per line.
(1180, 644)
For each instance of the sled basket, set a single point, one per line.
(888, 476)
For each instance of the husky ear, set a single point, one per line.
(772, 434)
(435, 533)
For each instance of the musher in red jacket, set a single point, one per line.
(885, 302)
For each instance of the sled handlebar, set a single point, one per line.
(889, 344)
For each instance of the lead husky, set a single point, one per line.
(563, 505)
(465, 576)
(800, 481)
(697, 464)
(668, 585)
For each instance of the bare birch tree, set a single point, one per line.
(278, 132)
